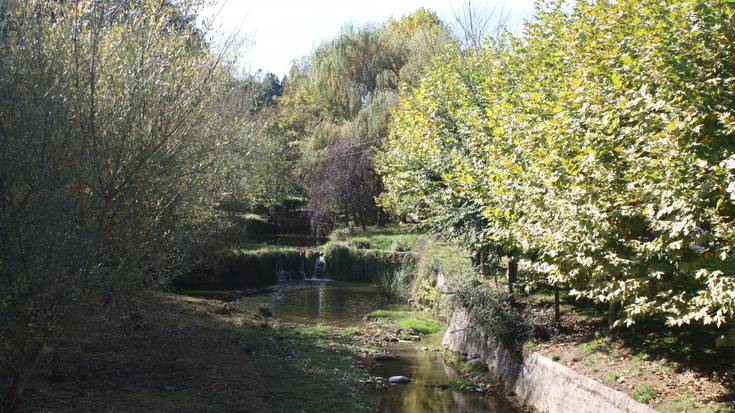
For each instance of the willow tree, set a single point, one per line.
(338, 102)
(112, 156)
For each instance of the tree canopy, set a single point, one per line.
(598, 144)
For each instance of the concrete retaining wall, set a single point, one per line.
(536, 380)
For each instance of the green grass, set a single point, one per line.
(426, 327)
(389, 238)
(462, 384)
(644, 393)
(416, 321)
(596, 346)
(262, 248)
(612, 377)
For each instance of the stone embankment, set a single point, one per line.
(536, 380)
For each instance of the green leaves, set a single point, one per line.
(600, 143)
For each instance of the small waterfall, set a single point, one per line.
(281, 273)
(302, 265)
(320, 266)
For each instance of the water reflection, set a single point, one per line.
(345, 304)
(322, 301)
(428, 390)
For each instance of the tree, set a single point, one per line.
(599, 144)
(477, 24)
(112, 159)
(338, 103)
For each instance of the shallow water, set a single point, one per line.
(344, 304)
(427, 391)
(322, 301)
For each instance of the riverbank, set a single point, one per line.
(176, 353)
(672, 370)
(182, 354)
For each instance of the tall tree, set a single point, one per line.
(113, 156)
(599, 143)
(345, 92)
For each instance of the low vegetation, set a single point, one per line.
(182, 354)
(413, 322)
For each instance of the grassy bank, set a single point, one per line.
(180, 354)
(177, 353)
(412, 323)
(401, 238)
(670, 369)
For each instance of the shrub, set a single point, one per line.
(493, 312)
(361, 243)
(394, 285)
(400, 245)
(341, 234)
(644, 393)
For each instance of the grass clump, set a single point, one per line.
(460, 364)
(644, 393)
(416, 321)
(395, 285)
(422, 326)
(462, 384)
(612, 377)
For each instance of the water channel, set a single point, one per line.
(345, 304)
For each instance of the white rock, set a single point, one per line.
(399, 379)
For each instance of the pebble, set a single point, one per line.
(399, 379)
(383, 357)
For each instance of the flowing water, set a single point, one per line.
(344, 304)
(323, 301)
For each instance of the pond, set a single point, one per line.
(346, 304)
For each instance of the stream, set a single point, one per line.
(346, 304)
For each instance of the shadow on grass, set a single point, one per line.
(690, 348)
(185, 355)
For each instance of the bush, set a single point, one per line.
(494, 313)
(400, 245)
(341, 234)
(361, 243)
(394, 285)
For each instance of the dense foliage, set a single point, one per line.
(115, 148)
(493, 313)
(337, 103)
(598, 145)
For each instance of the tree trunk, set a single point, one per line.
(362, 221)
(512, 275)
(557, 312)
(483, 262)
(381, 218)
(612, 314)
(12, 399)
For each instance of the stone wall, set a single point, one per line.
(536, 380)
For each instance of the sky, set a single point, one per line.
(276, 32)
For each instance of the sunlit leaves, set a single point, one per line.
(600, 142)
